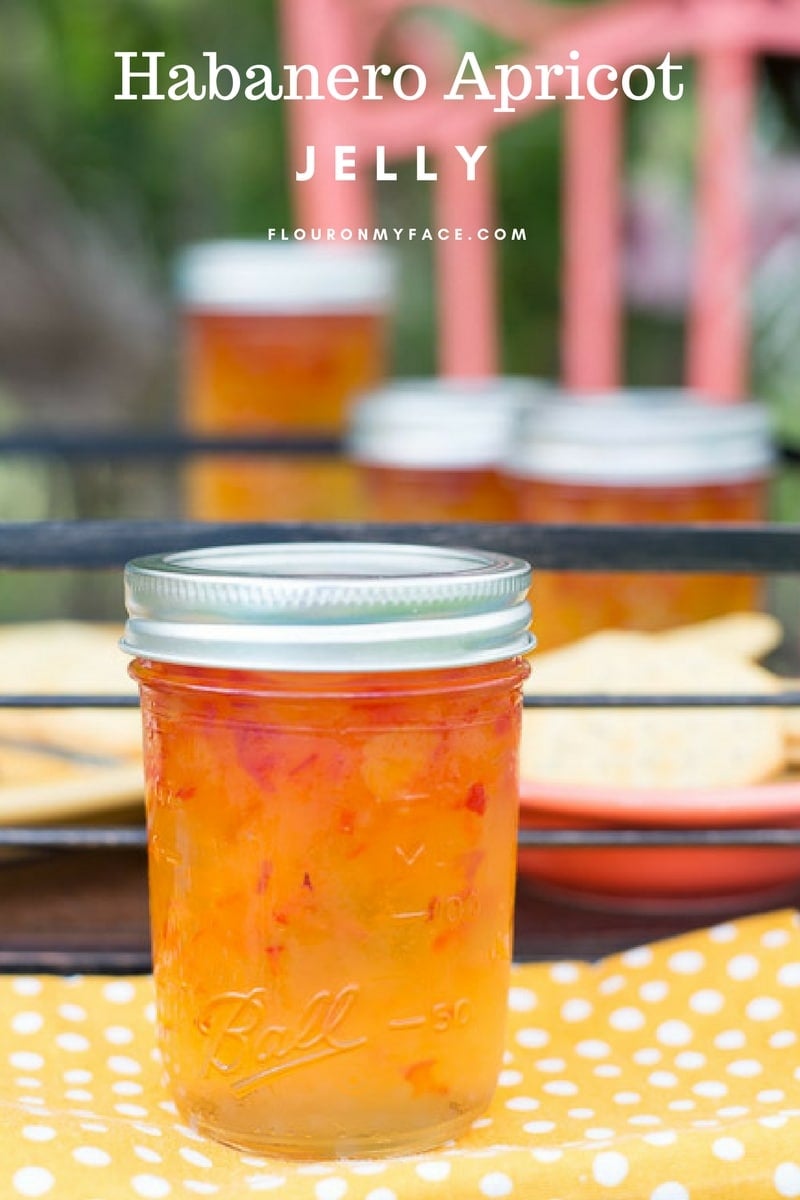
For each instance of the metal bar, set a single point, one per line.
(135, 837)
(760, 549)
(86, 445)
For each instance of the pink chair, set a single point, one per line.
(725, 37)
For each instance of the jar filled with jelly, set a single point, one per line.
(277, 340)
(331, 740)
(646, 457)
(432, 449)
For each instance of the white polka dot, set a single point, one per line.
(610, 1168)
(611, 984)
(728, 1149)
(745, 1068)
(433, 1172)
(764, 1008)
(150, 1013)
(743, 967)
(550, 1066)
(710, 1089)
(773, 939)
(200, 1188)
(382, 1193)
(120, 991)
(27, 1022)
(674, 1033)
(537, 1127)
(73, 1043)
(641, 956)
(576, 1010)
(723, 933)
(270, 1183)
(593, 1048)
(789, 975)
(654, 991)
(706, 1001)
(150, 1187)
(521, 999)
(648, 1056)
(38, 1133)
(773, 1121)
(331, 1189)
(732, 1112)
(496, 1183)
(118, 1035)
(27, 1081)
(771, 1096)
(80, 1095)
(72, 1012)
(126, 1087)
(130, 1110)
(681, 1105)
(32, 1181)
(147, 1155)
(607, 1071)
(661, 1137)
(690, 1060)
(194, 1157)
(519, 1104)
(193, 1136)
(94, 1127)
(564, 972)
(151, 1130)
(627, 1098)
(599, 1134)
(26, 1060)
(26, 986)
(532, 1039)
(670, 1191)
(367, 1167)
(485, 1122)
(546, 1154)
(686, 962)
(121, 1064)
(730, 1039)
(663, 1079)
(581, 1114)
(509, 1078)
(787, 1179)
(782, 1039)
(90, 1156)
(560, 1087)
(643, 1119)
(77, 1075)
(626, 1020)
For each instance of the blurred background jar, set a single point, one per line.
(277, 340)
(659, 456)
(432, 449)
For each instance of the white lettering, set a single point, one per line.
(151, 74)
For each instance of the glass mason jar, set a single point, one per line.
(277, 340)
(640, 458)
(431, 449)
(331, 739)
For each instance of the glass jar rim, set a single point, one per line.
(336, 606)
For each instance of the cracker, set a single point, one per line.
(652, 748)
(57, 657)
(749, 635)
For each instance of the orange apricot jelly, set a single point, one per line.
(665, 458)
(331, 847)
(277, 340)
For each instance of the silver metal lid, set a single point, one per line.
(328, 606)
(443, 423)
(258, 276)
(646, 437)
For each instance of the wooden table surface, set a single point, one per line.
(86, 911)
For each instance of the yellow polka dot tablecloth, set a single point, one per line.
(669, 1072)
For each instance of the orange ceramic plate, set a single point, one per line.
(662, 878)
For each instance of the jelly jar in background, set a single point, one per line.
(656, 456)
(277, 340)
(432, 449)
(331, 740)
